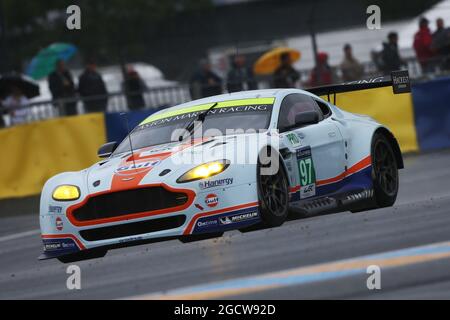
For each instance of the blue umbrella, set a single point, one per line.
(44, 62)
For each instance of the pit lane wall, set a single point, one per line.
(32, 153)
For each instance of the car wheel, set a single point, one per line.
(384, 172)
(273, 194)
(83, 255)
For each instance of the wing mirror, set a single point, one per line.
(107, 149)
(305, 118)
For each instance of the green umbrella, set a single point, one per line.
(44, 62)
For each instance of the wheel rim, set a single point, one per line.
(273, 190)
(385, 168)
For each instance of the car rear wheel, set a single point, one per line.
(384, 172)
(273, 194)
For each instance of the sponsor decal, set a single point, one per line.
(215, 183)
(130, 239)
(59, 224)
(153, 151)
(207, 223)
(308, 191)
(211, 200)
(138, 167)
(239, 217)
(54, 209)
(293, 139)
(59, 245)
(307, 173)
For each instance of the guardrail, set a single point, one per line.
(153, 98)
(159, 97)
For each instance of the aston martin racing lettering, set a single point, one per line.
(216, 111)
(307, 173)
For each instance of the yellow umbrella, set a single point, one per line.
(270, 60)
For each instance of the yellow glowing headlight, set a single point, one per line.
(66, 192)
(204, 171)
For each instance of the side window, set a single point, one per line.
(324, 108)
(292, 105)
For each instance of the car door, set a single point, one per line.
(316, 152)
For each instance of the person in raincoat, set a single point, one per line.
(285, 76)
(16, 106)
(240, 77)
(93, 89)
(322, 73)
(351, 68)
(61, 86)
(134, 88)
(422, 46)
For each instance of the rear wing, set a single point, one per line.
(399, 80)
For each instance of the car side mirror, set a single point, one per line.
(305, 118)
(107, 149)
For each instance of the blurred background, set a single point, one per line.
(151, 54)
(62, 91)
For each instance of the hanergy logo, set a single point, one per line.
(139, 167)
(215, 183)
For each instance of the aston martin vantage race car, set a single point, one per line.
(241, 161)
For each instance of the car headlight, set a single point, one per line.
(66, 193)
(205, 170)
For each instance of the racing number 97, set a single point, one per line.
(306, 171)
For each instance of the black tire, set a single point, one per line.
(384, 171)
(273, 195)
(83, 255)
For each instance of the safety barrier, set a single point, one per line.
(432, 113)
(32, 153)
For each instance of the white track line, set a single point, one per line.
(19, 235)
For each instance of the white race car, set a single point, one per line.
(235, 161)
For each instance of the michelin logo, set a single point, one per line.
(238, 218)
(216, 183)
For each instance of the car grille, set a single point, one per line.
(132, 229)
(127, 202)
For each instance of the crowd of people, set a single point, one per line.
(92, 89)
(432, 51)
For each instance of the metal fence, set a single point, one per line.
(160, 97)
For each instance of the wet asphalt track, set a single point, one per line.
(420, 217)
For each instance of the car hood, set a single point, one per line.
(147, 165)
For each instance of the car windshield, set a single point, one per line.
(221, 120)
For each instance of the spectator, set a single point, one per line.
(390, 56)
(322, 73)
(134, 88)
(441, 44)
(16, 106)
(92, 88)
(422, 46)
(2, 121)
(240, 77)
(205, 82)
(285, 76)
(61, 86)
(351, 68)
